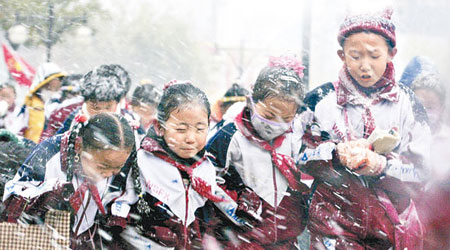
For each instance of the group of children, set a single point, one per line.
(165, 183)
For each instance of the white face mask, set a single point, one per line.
(47, 95)
(267, 129)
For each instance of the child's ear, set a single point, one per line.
(159, 130)
(341, 55)
(392, 53)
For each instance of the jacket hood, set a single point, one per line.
(44, 74)
(418, 66)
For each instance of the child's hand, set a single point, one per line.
(347, 151)
(373, 165)
(360, 143)
(358, 157)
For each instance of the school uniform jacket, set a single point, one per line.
(42, 173)
(162, 183)
(359, 208)
(59, 115)
(242, 163)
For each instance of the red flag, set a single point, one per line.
(22, 72)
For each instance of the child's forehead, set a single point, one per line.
(190, 105)
(102, 103)
(190, 109)
(278, 103)
(370, 40)
(6, 89)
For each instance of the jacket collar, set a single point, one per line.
(349, 92)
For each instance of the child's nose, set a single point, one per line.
(110, 173)
(189, 138)
(107, 174)
(365, 65)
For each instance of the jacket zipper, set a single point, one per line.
(276, 201)
(83, 214)
(186, 188)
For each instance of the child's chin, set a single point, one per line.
(366, 84)
(96, 178)
(187, 155)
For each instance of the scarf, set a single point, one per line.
(284, 163)
(78, 196)
(156, 146)
(348, 91)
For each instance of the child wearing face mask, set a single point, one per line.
(371, 155)
(84, 171)
(175, 177)
(254, 156)
(46, 85)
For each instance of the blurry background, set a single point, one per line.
(214, 43)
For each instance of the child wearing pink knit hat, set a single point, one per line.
(374, 142)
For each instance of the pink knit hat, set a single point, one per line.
(380, 24)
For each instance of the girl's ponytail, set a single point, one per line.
(74, 144)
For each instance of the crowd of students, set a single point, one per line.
(169, 171)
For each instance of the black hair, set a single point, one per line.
(71, 80)
(180, 94)
(107, 131)
(147, 94)
(103, 131)
(234, 91)
(278, 81)
(70, 85)
(123, 76)
(105, 83)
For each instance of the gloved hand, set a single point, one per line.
(248, 205)
(358, 157)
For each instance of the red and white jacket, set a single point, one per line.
(40, 183)
(166, 182)
(349, 210)
(269, 172)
